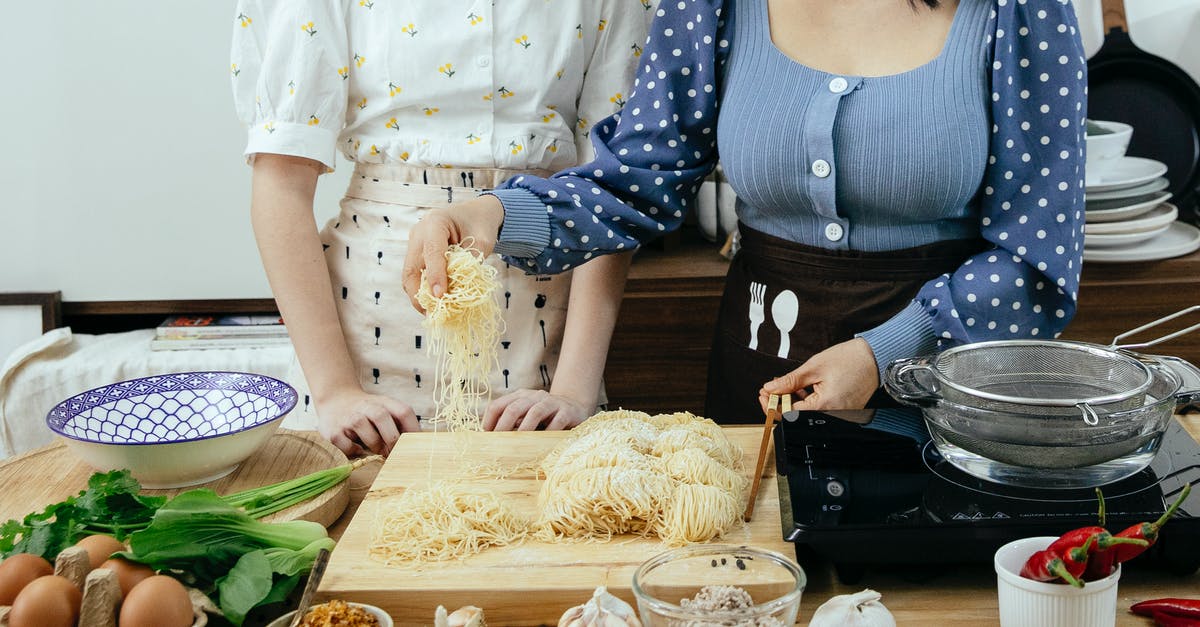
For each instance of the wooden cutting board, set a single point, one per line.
(50, 474)
(527, 584)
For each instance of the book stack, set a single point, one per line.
(224, 331)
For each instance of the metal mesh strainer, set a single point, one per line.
(1043, 377)
(998, 375)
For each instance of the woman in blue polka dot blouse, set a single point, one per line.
(909, 176)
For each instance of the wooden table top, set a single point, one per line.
(961, 595)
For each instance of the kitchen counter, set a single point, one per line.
(659, 356)
(957, 595)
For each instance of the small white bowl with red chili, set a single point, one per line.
(1072, 579)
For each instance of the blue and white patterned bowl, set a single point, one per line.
(177, 429)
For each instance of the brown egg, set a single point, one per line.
(158, 601)
(49, 601)
(129, 574)
(99, 548)
(17, 571)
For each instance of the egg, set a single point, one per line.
(17, 571)
(50, 601)
(158, 601)
(129, 574)
(99, 548)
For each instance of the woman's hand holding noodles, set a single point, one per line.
(477, 220)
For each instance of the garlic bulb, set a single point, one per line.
(602, 610)
(861, 609)
(466, 616)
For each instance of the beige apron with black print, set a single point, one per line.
(365, 248)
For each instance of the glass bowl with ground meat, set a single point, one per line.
(707, 585)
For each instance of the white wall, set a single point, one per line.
(121, 175)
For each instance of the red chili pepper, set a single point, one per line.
(1103, 556)
(1099, 542)
(1101, 563)
(1076, 559)
(1188, 608)
(1074, 538)
(1147, 531)
(1046, 565)
(1170, 620)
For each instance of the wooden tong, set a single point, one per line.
(776, 407)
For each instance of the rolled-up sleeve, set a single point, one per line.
(290, 67)
(650, 157)
(1026, 283)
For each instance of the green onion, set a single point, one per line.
(266, 500)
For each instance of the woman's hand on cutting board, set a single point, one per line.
(842, 376)
(355, 420)
(526, 410)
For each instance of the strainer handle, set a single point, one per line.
(902, 379)
(1189, 376)
(1170, 336)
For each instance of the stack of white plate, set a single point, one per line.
(1128, 217)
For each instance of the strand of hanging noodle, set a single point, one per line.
(464, 326)
(451, 520)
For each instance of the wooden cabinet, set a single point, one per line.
(659, 356)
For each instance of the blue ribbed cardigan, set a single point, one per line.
(1027, 204)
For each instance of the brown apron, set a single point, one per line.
(784, 302)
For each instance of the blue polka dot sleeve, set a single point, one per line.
(1032, 199)
(650, 157)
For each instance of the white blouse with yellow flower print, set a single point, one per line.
(512, 84)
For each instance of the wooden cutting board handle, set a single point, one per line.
(1114, 15)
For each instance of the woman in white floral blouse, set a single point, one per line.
(433, 102)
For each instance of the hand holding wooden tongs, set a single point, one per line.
(776, 407)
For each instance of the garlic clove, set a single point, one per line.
(861, 609)
(572, 617)
(602, 610)
(440, 618)
(466, 616)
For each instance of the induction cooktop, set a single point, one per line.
(867, 487)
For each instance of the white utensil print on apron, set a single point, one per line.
(758, 292)
(784, 311)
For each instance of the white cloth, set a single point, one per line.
(59, 364)
(514, 84)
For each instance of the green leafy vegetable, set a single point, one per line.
(226, 551)
(113, 505)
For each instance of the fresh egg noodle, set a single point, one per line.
(671, 475)
(450, 520)
(697, 512)
(682, 437)
(694, 466)
(464, 327)
(445, 521)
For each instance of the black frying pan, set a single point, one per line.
(1161, 102)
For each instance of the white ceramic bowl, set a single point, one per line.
(1104, 151)
(774, 582)
(380, 615)
(174, 430)
(1028, 603)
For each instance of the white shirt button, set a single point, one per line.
(833, 231)
(838, 85)
(483, 61)
(820, 167)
